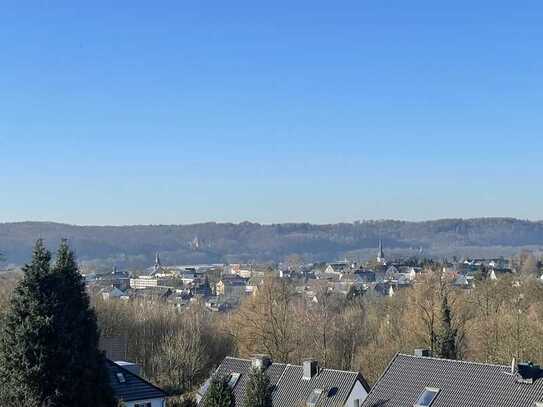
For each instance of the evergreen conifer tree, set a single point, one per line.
(219, 393)
(446, 338)
(49, 339)
(258, 390)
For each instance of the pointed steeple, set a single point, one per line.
(380, 254)
(157, 259)
(157, 265)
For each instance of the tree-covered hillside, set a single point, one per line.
(227, 242)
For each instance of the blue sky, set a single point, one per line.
(319, 111)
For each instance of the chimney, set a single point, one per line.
(311, 369)
(261, 361)
(527, 373)
(423, 353)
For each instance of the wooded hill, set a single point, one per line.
(226, 242)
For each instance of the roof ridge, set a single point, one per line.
(233, 357)
(339, 370)
(282, 374)
(249, 360)
(454, 360)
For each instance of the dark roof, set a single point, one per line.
(461, 384)
(337, 386)
(234, 365)
(233, 280)
(340, 266)
(288, 387)
(134, 388)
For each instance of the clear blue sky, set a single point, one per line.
(320, 111)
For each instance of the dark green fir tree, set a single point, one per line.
(258, 392)
(49, 338)
(446, 338)
(219, 393)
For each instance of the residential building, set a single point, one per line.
(245, 270)
(217, 305)
(294, 385)
(424, 381)
(142, 282)
(231, 286)
(462, 281)
(120, 279)
(365, 276)
(337, 268)
(113, 293)
(131, 389)
(191, 276)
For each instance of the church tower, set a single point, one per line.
(380, 254)
(157, 267)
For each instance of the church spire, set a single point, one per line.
(380, 253)
(157, 265)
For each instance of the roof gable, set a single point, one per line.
(293, 390)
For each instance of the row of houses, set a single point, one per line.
(417, 380)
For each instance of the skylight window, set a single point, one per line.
(121, 378)
(234, 377)
(427, 397)
(313, 398)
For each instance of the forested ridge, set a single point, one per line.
(228, 242)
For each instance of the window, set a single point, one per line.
(427, 397)
(234, 377)
(314, 397)
(121, 378)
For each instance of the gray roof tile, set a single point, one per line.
(293, 391)
(288, 387)
(134, 388)
(461, 384)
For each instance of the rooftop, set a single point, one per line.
(459, 383)
(128, 386)
(289, 389)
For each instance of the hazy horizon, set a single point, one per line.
(272, 223)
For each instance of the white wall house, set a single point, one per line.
(357, 396)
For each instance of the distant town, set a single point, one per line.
(222, 287)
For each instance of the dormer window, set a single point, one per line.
(234, 377)
(427, 397)
(313, 398)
